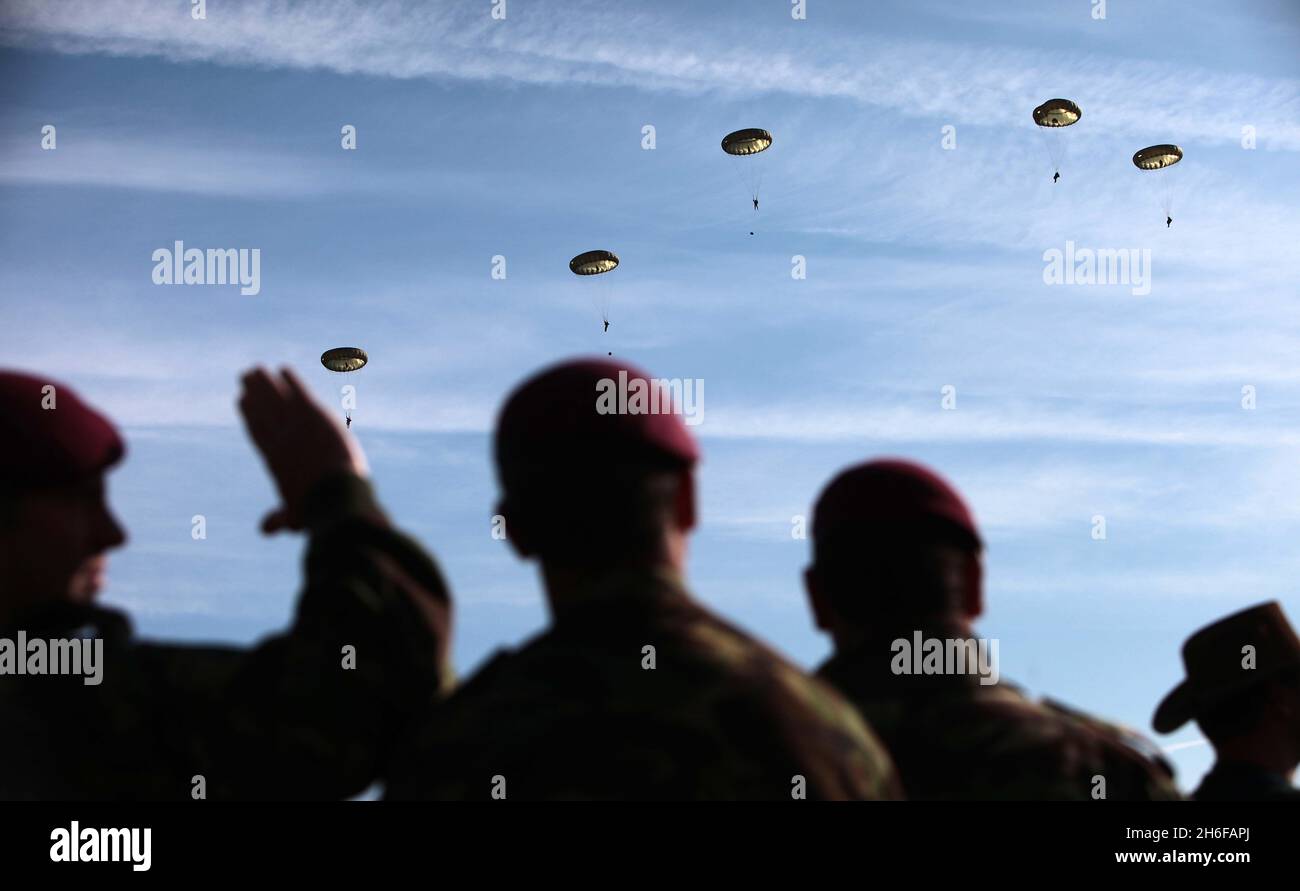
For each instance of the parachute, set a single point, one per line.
(1052, 117)
(1057, 113)
(593, 263)
(344, 359)
(745, 144)
(596, 263)
(1158, 159)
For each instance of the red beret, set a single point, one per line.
(576, 414)
(891, 493)
(49, 436)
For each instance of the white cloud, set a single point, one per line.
(152, 166)
(871, 423)
(593, 44)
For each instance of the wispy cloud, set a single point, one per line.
(593, 44)
(836, 422)
(132, 164)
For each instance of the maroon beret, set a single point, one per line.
(49, 436)
(579, 414)
(891, 494)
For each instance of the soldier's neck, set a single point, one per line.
(849, 637)
(1270, 751)
(569, 586)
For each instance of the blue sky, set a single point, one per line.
(523, 138)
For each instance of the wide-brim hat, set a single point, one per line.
(1219, 667)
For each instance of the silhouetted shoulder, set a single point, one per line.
(645, 695)
(953, 738)
(1131, 766)
(820, 728)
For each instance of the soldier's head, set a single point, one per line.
(1242, 686)
(893, 544)
(592, 478)
(55, 524)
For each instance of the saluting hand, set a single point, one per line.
(301, 442)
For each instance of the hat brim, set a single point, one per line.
(1175, 710)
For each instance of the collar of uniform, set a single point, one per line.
(623, 585)
(61, 619)
(1242, 778)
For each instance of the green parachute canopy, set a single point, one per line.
(344, 359)
(593, 263)
(746, 142)
(1157, 157)
(1057, 113)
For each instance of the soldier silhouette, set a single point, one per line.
(281, 720)
(1243, 690)
(896, 564)
(636, 690)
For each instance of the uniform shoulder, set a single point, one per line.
(1120, 747)
(823, 732)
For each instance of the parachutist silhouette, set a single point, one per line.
(349, 420)
(1056, 176)
(1169, 221)
(755, 204)
(606, 321)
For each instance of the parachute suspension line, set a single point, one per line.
(748, 175)
(1054, 142)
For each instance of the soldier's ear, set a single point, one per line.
(973, 589)
(821, 609)
(684, 501)
(517, 532)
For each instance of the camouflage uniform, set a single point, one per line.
(282, 720)
(955, 739)
(1234, 781)
(574, 715)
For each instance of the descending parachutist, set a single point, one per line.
(755, 204)
(343, 360)
(606, 321)
(1056, 176)
(1169, 221)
